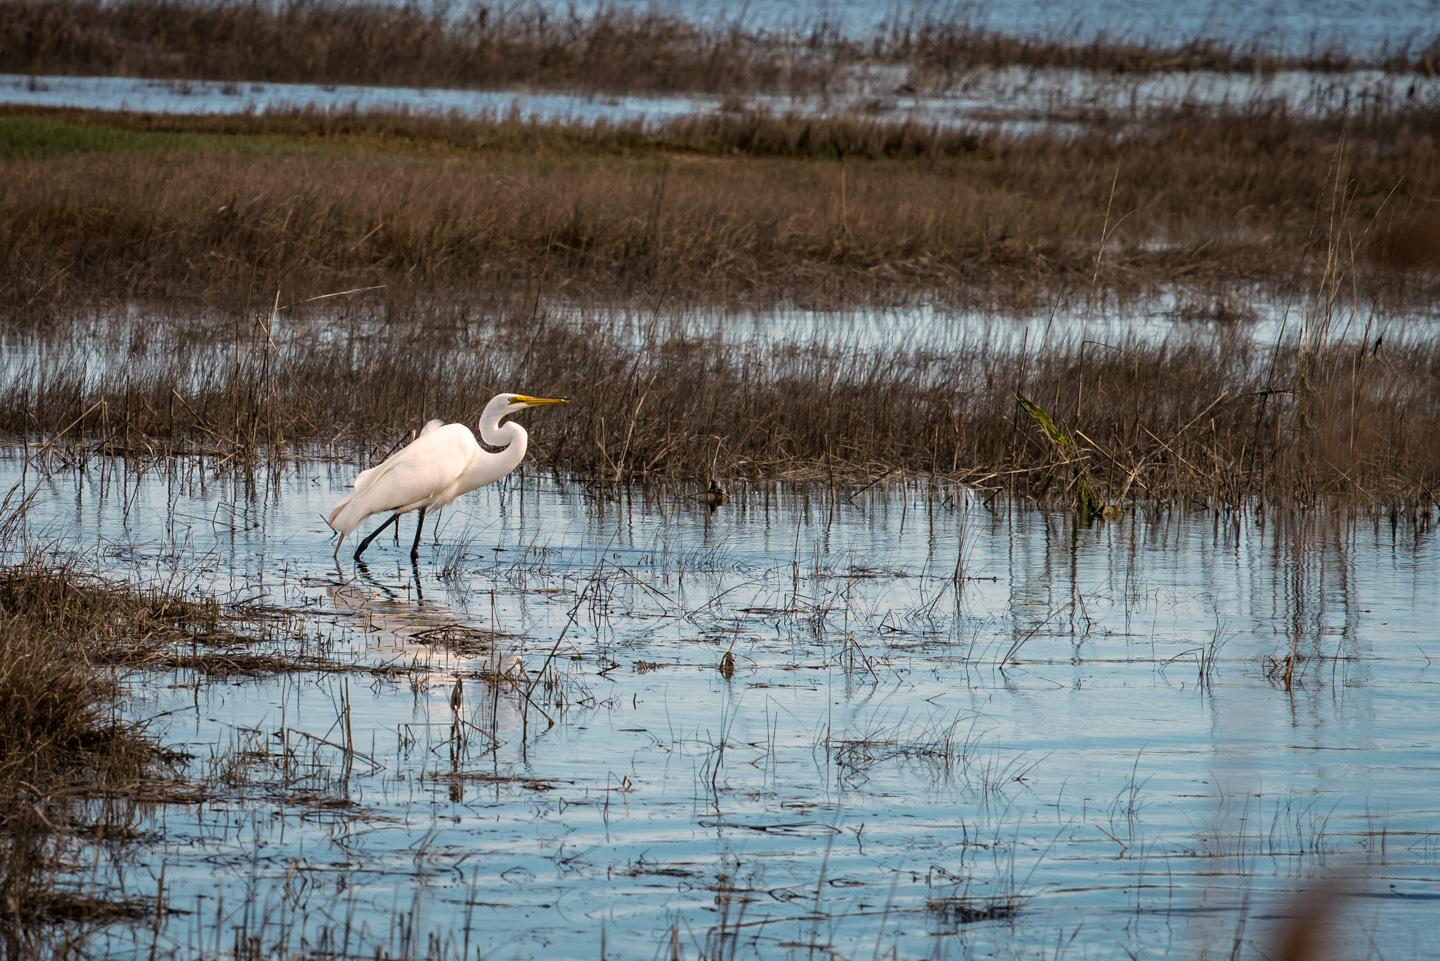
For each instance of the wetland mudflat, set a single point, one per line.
(899, 718)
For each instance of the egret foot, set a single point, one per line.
(366, 542)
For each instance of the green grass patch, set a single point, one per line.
(39, 138)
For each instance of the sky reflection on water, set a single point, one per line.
(874, 743)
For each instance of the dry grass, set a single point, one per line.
(73, 770)
(479, 229)
(736, 208)
(612, 49)
(373, 43)
(61, 735)
(58, 721)
(940, 53)
(1199, 419)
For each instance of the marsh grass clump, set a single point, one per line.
(63, 740)
(73, 768)
(59, 715)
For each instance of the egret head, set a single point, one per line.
(517, 401)
(495, 429)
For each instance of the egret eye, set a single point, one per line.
(517, 400)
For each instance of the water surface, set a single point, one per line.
(1018, 100)
(1291, 25)
(941, 707)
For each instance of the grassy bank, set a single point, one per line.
(611, 50)
(738, 208)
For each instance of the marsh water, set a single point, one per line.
(872, 717)
(891, 719)
(1012, 99)
(1291, 25)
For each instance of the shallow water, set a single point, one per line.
(1293, 25)
(1017, 100)
(1035, 734)
(107, 351)
(200, 97)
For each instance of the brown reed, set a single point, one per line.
(612, 49)
(746, 208)
(1204, 419)
(62, 738)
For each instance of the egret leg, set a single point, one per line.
(366, 542)
(415, 547)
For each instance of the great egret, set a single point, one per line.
(444, 462)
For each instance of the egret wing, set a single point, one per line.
(430, 425)
(408, 478)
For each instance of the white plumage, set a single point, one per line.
(444, 462)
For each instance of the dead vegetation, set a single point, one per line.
(58, 724)
(1204, 418)
(62, 739)
(74, 768)
(749, 208)
(431, 45)
(493, 251)
(957, 911)
(610, 49)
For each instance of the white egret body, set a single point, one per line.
(444, 462)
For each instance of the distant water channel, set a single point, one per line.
(107, 349)
(1355, 26)
(849, 721)
(1017, 100)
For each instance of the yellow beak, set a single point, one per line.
(536, 401)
